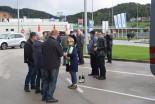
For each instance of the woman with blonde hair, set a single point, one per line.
(72, 62)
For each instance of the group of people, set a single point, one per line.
(98, 49)
(43, 52)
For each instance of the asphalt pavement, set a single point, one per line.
(127, 83)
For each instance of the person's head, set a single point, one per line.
(44, 34)
(39, 36)
(108, 32)
(92, 34)
(32, 36)
(70, 41)
(71, 32)
(100, 34)
(54, 34)
(79, 32)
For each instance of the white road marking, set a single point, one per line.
(124, 72)
(78, 89)
(119, 93)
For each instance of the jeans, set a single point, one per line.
(50, 83)
(31, 76)
(73, 77)
(40, 76)
(64, 59)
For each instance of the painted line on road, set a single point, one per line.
(119, 93)
(78, 89)
(124, 72)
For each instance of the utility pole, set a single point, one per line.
(137, 20)
(18, 14)
(92, 10)
(112, 15)
(85, 12)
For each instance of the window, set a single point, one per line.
(12, 29)
(18, 36)
(12, 36)
(7, 30)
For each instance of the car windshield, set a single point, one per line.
(4, 36)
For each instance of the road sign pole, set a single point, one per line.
(86, 38)
(18, 14)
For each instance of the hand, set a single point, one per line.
(67, 58)
(65, 54)
(87, 45)
(95, 45)
(95, 49)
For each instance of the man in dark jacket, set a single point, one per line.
(80, 43)
(73, 36)
(38, 62)
(28, 58)
(52, 52)
(101, 48)
(93, 56)
(109, 41)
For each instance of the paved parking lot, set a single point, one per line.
(127, 83)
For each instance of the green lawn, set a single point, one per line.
(140, 24)
(130, 52)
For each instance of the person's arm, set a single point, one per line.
(82, 40)
(59, 49)
(103, 45)
(62, 42)
(72, 53)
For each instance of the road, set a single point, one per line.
(131, 42)
(127, 83)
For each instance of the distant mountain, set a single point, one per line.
(106, 14)
(30, 13)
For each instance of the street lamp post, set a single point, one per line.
(92, 10)
(18, 13)
(137, 20)
(85, 12)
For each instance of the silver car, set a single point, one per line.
(12, 40)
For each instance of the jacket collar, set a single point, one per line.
(51, 38)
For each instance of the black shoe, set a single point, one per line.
(90, 75)
(33, 87)
(37, 91)
(27, 89)
(101, 78)
(109, 62)
(51, 100)
(43, 99)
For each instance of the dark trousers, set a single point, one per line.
(64, 59)
(94, 64)
(101, 64)
(50, 83)
(109, 53)
(80, 55)
(31, 76)
(40, 77)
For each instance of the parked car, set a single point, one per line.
(12, 40)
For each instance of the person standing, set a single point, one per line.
(80, 43)
(52, 53)
(72, 62)
(28, 58)
(65, 46)
(100, 49)
(45, 36)
(38, 62)
(73, 36)
(109, 43)
(93, 55)
(128, 35)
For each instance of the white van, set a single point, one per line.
(152, 37)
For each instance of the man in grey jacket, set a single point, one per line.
(80, 43)
(93, 55)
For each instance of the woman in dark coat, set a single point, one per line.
(72, 62)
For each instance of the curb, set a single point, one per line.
(126, 60)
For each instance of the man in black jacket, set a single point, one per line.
(101, 47)
(52, 52)
(109, 41)
(79, 46)
(28, 58)
(73, 36)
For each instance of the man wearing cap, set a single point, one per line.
(28, 58)
(73, 36)
(38, 62)
(93, 55)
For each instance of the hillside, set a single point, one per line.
(106, 14)
(30, 13)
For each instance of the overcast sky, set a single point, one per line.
(68, 7)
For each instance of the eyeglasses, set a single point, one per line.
(70, 41)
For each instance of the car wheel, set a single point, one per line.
(12, 47)
(3, 46)
(22, 44)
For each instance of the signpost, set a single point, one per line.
(80, 22)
